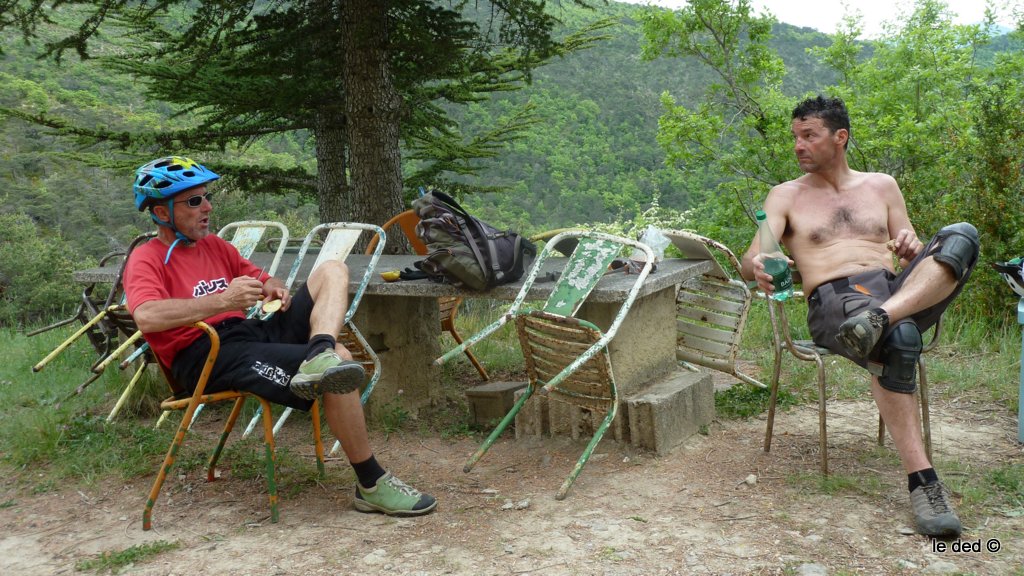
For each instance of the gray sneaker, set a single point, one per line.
(933, 513)
(326, 373)
(860, 333)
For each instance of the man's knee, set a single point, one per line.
(330, 271)
(899, 354)
(958, 248)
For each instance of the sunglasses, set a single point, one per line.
(197, 200)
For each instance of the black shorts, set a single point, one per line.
(257, 356)
(833, 302)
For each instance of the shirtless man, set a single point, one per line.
(842, 227)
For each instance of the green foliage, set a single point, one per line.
(35, 271)
(744, 401)
(113, 561)
(392, 416)
(930, 104)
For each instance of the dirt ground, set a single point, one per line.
(690, 512)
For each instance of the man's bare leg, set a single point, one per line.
(929, 498)
(328, 367)
(902, 419)
(328, 285)
(345, 418)
(929, 283)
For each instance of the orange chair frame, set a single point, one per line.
(448, 306)
(180, 400)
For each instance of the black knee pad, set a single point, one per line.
(959, 248)
(899, 353)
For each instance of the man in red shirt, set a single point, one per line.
(186, 274)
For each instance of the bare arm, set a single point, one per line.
(904, 243)
(160, 315)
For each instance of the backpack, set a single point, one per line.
(464, 250)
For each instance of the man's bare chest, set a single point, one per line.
(824, 222)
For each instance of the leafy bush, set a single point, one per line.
(35, 271)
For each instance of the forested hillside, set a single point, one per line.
(591, 157)
(594, 156)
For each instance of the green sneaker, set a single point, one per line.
(933, 513)
(393, 497)
(326, 373)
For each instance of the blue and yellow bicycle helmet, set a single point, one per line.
(163, 179)
(166, 177)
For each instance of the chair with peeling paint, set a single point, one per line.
(566, 357)
(711, 309)
(335, 241)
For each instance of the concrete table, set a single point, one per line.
(400, 321)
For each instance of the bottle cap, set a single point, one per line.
(760, 215)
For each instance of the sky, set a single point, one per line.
(825, 15)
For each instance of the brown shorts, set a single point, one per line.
(833, 302)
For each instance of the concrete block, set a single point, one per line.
(532, 420)
(669, 410)
(490, 402)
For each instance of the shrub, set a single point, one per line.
(35, 271)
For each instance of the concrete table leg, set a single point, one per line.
(644, 348)
(403, 331)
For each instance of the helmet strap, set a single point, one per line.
(178, 236)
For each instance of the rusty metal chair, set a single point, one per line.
(181, 400)
(711, 309)
(807, 351)
(566, 357)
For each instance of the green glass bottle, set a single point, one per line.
(775, 262)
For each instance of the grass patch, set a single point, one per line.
(499, 352)
(998, 490)
(834, 484)
(1008, 483)
(114, 561)
(392, 416)
(742, 401)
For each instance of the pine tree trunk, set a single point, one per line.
(332, 189)
(372, 107)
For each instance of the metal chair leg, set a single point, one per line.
(822, 417)
(582, 461)
(497, 431)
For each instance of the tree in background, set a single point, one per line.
(361, 76)
(925, 107)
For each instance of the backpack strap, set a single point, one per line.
(465, 221)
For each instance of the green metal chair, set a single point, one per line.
(566, 357)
